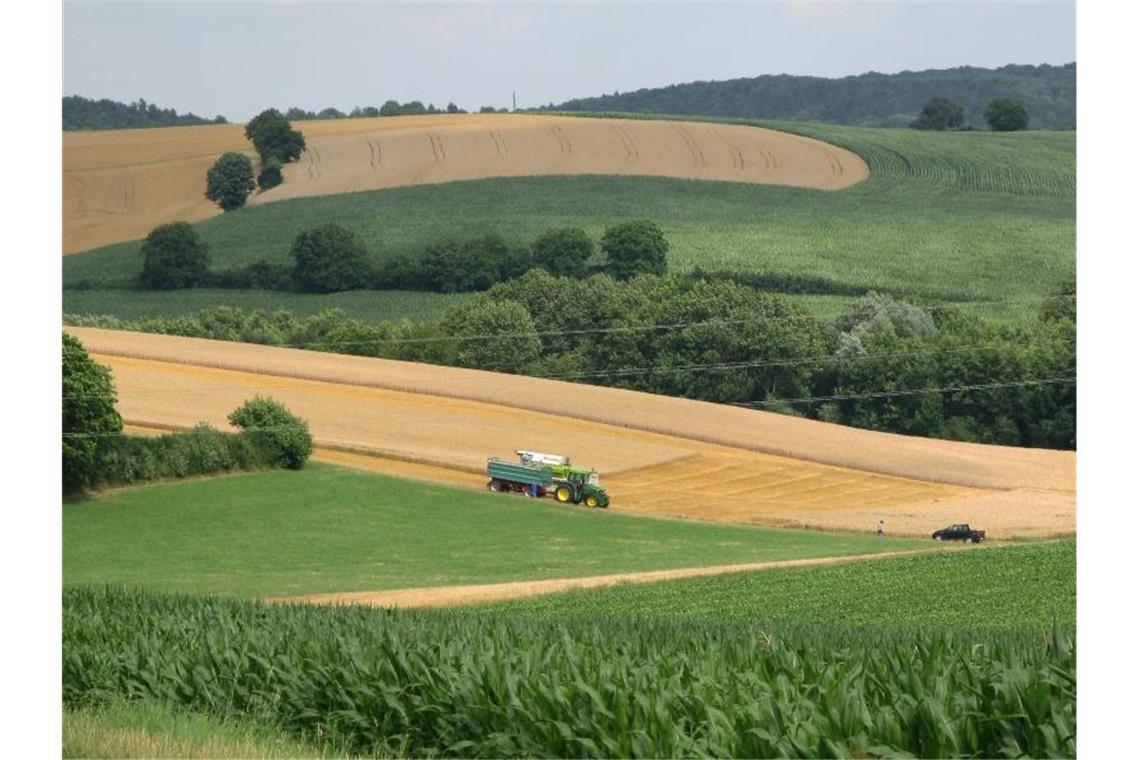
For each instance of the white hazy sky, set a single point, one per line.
(237, 58)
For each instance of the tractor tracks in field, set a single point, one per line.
(454, 596)
(375, 154)
(499, 143)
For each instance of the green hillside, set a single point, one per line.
(871, 99)
(960, 216)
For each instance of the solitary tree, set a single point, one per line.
(174, 256)
(940, 113)
(564, 251)
(230, 181)
(1007, 115)
(634, 248)
(272, 425)
(88, 413)
(329, 259)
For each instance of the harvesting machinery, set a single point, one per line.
(540, 475)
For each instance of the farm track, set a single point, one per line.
(657, 455)
(452, 596)
(344, 155)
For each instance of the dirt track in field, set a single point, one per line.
(656, 455)
(452, 596)
(118, 185)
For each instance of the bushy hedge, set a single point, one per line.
(204, 450)
(725, 342)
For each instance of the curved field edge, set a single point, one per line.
(907, 232)
(1035, 162)
(119, 185)
(1029, 585)
(352, 531)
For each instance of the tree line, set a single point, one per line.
(84, 113)
(885, 364)
(330, 258)
(872, 99)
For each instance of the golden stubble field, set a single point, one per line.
(118, 185)
(657, 455)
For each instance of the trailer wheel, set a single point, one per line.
(591, 501)
(495, 485)
(563, 494)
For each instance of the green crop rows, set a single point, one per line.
(1029, 585)
(461, 684)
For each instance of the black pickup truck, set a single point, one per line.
(959, 533)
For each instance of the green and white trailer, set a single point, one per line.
(537, 478)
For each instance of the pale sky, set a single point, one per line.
(237, 58)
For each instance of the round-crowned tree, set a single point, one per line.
(563, 252)
(1007, 115)
(174, 256)
(940, 113)
(270, 424)
(329, 259)
(634, 248)
(88, 413)
(230, 181)
(515, 342)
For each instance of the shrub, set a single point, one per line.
(563, 252)
(634, 248)
(174, 257)
(230, 181)
(258, 275)
(270, 424)
(270, 175)
(329, 259)
(89, 416)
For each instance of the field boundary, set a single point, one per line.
(453, 596)
(666, 430)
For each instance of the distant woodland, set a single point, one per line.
(872, 99)
(83, 113)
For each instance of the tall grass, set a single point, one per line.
(430, 684)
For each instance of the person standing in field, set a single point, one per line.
(881, 529)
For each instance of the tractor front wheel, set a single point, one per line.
(591, 501)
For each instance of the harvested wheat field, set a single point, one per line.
(657, 455)
(117, 185)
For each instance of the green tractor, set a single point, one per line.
(540, 475)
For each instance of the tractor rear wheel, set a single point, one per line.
(564, 494)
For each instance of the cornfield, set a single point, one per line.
(462, 683)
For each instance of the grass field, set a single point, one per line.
(329, 529)
(1022, 586)
(370, 306)
(967, 216)
(154, 729)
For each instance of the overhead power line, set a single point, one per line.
(791, 318)
(623, 372)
